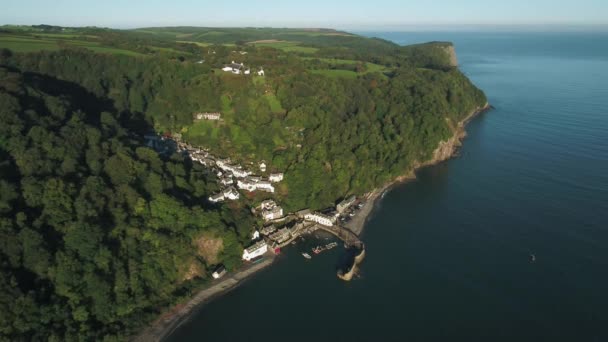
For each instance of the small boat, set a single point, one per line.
(306, 255)
(318, 249)
(331, 245)
(532, 258)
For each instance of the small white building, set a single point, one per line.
(275, 177)
(272, 214)
(219, 272)
(263, 167)
(210, 116)
(216, 198)
(247, 72)
(231, 193)
(227, 180)
(246, 184)
(256, 250)
(234, 68)
(320, 219)
(345, 204)
(264, 186)
(261, 72)
(268, 204)
(255, 235)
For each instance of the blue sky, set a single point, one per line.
(353, 14)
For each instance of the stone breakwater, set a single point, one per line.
(349, 274)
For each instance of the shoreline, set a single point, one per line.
(446, 150)
(164, 326)
(168, 322)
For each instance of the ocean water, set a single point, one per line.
(449, 256)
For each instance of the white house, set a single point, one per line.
(247, 72)
(255, 251)
(255, 235)
(216, 198)
(320, 219)
(265, 186)
(263, 167)
(231, 193)
(345, 204)
(208, 116)
(261, 72)
(219, 272)
(227, 180)
(233, 67)
(276, 177)
(246, 184)
(272, 214)
(268, 204)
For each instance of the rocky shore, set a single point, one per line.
(166, 324)
(444, 151)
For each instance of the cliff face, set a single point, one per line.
(452, 55)
(447, 148)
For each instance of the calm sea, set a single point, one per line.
(450, 255)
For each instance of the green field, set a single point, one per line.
(275, 104)
(27, 43)
(369, 67)
(286, 46)
(335, 73)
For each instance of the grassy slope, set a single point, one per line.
(53, 41)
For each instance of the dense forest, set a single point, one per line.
(100, 232)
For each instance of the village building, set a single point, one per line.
(219, 272)
(345, 204)
(207, 116)
(268, 230)
(275, 177)
(258, 249)
(302, 213)
(280, 236)
(234, 68)
(261, 72)
(216, 198)
(268, 204)
(222, 162)
(231, 193)
(320, 219)
(272, 214)
(226, 180)
(255, 235)
(265, 186)
(263, 167)
(246, 184)
(240, 173)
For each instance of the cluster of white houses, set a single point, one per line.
(207, 116)
(229, 174)
(239, 68)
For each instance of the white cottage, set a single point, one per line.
(255, 251)
(275, 177)
(320, 219)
